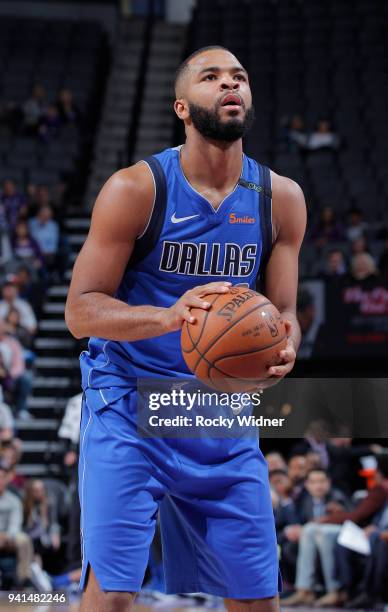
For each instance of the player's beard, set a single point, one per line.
(209, 123)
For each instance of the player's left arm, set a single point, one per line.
(281, 276)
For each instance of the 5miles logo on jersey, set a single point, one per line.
(241, 219)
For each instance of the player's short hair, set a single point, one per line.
(184, 65)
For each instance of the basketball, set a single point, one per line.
(235, 341)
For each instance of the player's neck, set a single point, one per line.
(212, 164)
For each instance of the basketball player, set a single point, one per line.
(163, 234)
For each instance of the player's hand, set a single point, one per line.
(180, 311)
(287, 355)
(384, 536)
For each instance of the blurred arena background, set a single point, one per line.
(87, 88)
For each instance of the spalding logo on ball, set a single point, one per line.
(233, 343)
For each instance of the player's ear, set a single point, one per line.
(181, 108)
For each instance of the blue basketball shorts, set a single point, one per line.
(213, 500)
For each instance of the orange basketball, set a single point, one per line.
(233, 343)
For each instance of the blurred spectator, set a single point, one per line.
(19, 381)
(13, 201)
(69, 431)
(25, 248)
(363, 267)
(46, 233)
(358, 246)
(310, 325)
(40, 521)
(375, 502)
(323, 137)
(312, 543)
(7, 423)
(33, 109)
(275, 461)
(68, 111)
(297, 471)
(356, 226)
(11, 300)
(296, 134)
(12, 539)
(30, 289)
(313, 460)
(49, 124)
(315, 439)
(371, 586)
(328, 229)
(16, 330)
(11, 453)
(372, 503)
(334, 265)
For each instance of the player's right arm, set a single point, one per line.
(120, 215)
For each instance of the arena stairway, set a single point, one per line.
(56, 372)
(156, 120)
(111, 141)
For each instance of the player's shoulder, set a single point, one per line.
(286, 188)
(288, 205)
(132, 179)
(125, 201)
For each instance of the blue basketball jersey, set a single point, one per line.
(187, 243)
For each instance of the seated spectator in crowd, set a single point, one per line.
(11, 300)
(363, 268)
(315, 440)
(16, 330)
(18, 383)
(356, 227)
(359, 246)
(68, 111)
(25, 248)
(11, 452)
(12, 539)
(314, 542)
(296, 133)
(33, 109)
(313, 460)
(285, 515)
(327, 229)
(7, 422)
(334, 265)
(49, 124)
(372, 586)
(275, 461)
(323, 137)
(371, 510)
(45, 231)
(40, 521)
(29, 288)
(14, 203)
(297, 472)
(69, 432)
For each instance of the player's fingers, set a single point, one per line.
(187, 315)
(288, 354)
(216, 287)
(280, 370)
(194, 301)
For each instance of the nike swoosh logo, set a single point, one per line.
(175, 219)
